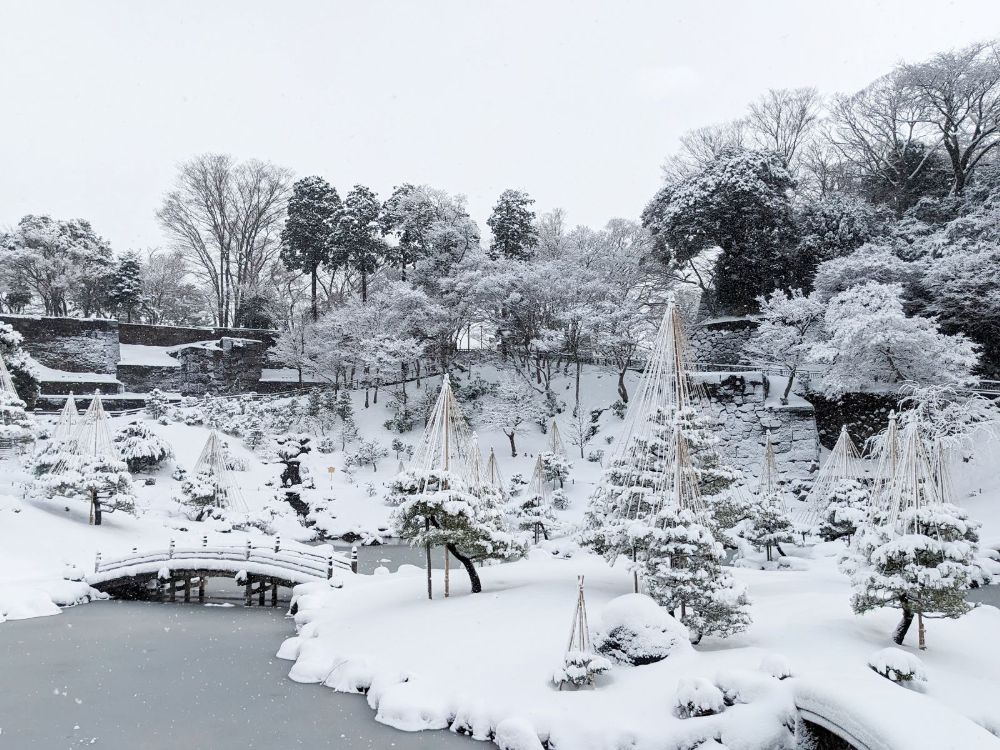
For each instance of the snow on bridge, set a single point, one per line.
(882, 716)
(141, 572)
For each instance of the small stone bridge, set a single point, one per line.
(158, 574)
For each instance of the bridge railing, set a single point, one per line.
(300, 561)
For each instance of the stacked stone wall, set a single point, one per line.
(69, 344)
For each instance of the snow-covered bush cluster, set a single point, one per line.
(636, 630)
(898, 665)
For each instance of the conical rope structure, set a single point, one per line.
(212, 461)
(6, 381)
(475, 470)
(941, 465)
(888, 451)
(539, 485)
(843, 464)
(69, 418)
(493, 477)
(684, 493)
(446, 444)
(556, 445)
(912, 485)
(664, 391)
(91, 439)
(768, 486)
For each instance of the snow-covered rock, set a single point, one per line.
(898, 665)
(696, 696)
(636, 630)
(516, 734)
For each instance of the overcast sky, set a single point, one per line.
(575, 102)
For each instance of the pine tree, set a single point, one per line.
(683, 572)
(767, 525)
(305, 244)
(556, 467)
(15, 424)
(254, 432)
(344, 409)
(156, 404)
(847, 506)
(919, 553)
(140, 447)
(125, 294)
(512, 223)
(202, 494)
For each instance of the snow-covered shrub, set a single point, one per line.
(579, 668)
(84, 478)
(15, 424)
(898, 665)
(367, 453)
(533, 514)
(233, 462)
(19, 364)
(595, 456)
(179, 474)
(516, 484)
(326, 445)
(556, 467)
(618, 408)
(560, 500)
(140, 447)
(194, 417)
(696, 696)
(729, 509)
(776, 665)
(636, 630)
(156, 404)
(201, 494)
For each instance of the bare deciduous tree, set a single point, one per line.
(226, 218)
(958, 93)
(783, 119)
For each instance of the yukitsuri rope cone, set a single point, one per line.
(212, 462)
(556, 445)
(91, 438)
(538, 488)
(941, 466)
(844, 464)
(69, 418)
(639, 478)
(493, 476)
(580, 664)
(888, 451)
(912, 485)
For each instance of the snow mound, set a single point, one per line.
(775, 665)
(636, 630)
(696, 696)
(898, 665)
(412, 706)
(516, 734)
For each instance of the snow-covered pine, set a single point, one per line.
(556, 467)
(580, 665)
(922, 560)
(140, 447)
(843, 466)
(683, 565)
(493, 477)
(203, 494)
(847, 508)
(16, 426)
(767, 525)
(212, 463)
(532, 510)
(156, 404)
(435, 498)
(886, 448)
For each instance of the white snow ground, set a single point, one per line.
(487, 658)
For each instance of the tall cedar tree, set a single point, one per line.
(355, 239)
(305, 238)
(740, 202)
(125, 292)
(513, 226)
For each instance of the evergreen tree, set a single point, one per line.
(156, 404)
(140, 447)
(846, 510)
(344, 408)
(305, 238)
(355, 239)
(767, 525)
(556, 467)
(203, 494)
(436, 508)
(925, 571)
(684, 574)
(18, 364)
(15, 424)
(125, 292)
(513, 226)
(254, 432)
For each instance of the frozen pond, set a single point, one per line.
(986, 595)
(128, 675)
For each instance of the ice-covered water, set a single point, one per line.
(130, 675)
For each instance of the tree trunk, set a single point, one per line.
(578, 367)
(513, 448)
(899, 634)
(315, 311)
(622, 391)
(788, 388)
(470, 568)
(364, 285)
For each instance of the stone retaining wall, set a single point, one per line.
(150, 335)
(721, 341)
(739, 401)
(69, 344)
(232, 366)
(144, 378)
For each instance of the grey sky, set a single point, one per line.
(575, 102)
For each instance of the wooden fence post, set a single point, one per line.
(204, 540)
(97, 563)
(354, 559)
(170, 551)
(329, 567)
(249, 547)
(277, 543)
